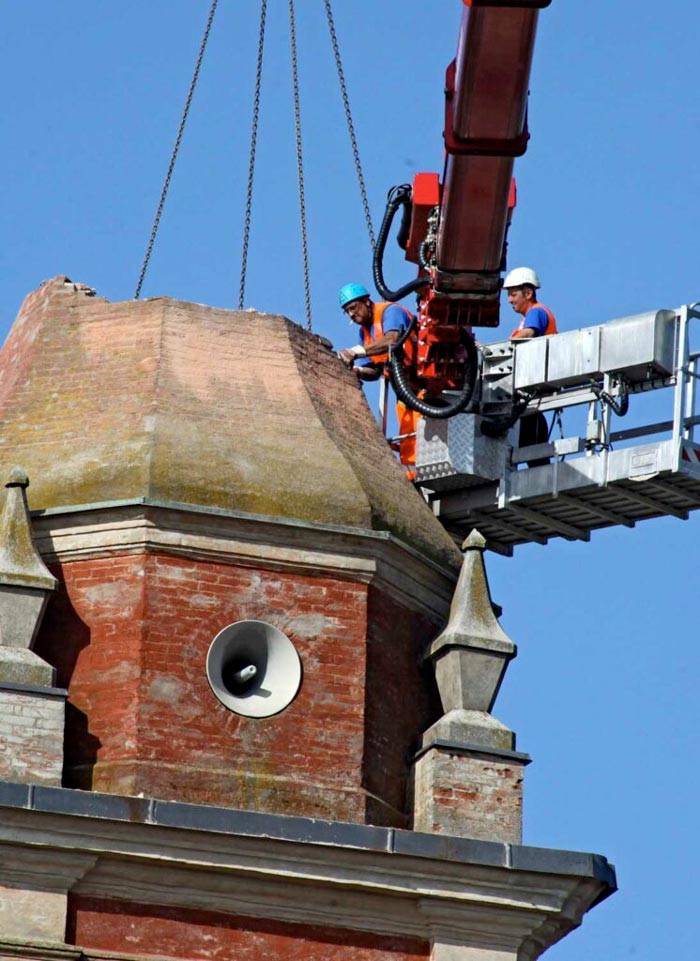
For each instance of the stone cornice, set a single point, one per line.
(99, 530)
(58, 951)
(297, 870)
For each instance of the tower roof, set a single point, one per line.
(183, 403)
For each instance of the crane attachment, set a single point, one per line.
(455, 229)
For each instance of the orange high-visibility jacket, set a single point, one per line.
(369, 335)
(552, 322)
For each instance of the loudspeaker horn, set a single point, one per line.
(253, 668)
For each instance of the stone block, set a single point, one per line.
(31, 735)
(21, 609)
(470, 727)
(25, 581)
(32, 915)
(471, 654)
(20, 666)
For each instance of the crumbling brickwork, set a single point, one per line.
(469, 796)
(197, 405)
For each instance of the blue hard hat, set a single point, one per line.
(351, 292)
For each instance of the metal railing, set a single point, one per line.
(599, 436)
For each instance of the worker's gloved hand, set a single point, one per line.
(348, 354)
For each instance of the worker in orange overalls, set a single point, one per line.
(536, 320)
(380, 325)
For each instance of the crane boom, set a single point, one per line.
(485, 128)
(455, 230)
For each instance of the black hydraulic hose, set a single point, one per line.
(619, 406)
(405, 225)
(398, 197)
(403, 390)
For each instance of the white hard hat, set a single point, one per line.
(520, 276)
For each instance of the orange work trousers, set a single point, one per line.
(408, 424)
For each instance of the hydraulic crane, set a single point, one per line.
(455, 230)
(469, 463)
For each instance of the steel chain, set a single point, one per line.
(176, 150)
(251, 158)
(300, 161)
(349, 121)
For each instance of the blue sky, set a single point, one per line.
(602, 694)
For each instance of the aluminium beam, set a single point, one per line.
(652, 504)
(546, 520)
(663, 488)
(603, 512)
(509, 527)
(498, 547)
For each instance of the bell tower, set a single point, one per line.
(200, 472)
(277, 668)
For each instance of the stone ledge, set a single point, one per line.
(279, 827)
(299, 870)
(46, 950)
(474, 750)
(230, 536)
(59, 951)
(235, 515)
(51, 692)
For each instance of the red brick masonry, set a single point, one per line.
(183, 933)
(129, 636)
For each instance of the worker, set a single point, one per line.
(380, 325)
(536, 320)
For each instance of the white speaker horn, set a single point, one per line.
(253, 669)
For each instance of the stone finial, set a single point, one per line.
(32, 710)
(467, 775)
(20, 562)
(25, 581)
(472, 653)
(475, 541)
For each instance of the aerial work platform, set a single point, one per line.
(585, 480)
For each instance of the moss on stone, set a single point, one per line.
(192, 404)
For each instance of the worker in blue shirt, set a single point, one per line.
(379, 326)
(536, 320)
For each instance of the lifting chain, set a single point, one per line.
(251, 158)
(300, 161)
(176, 150)
(253, 148)
(349, 121)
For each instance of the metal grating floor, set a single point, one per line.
(572, 513)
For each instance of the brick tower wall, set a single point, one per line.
(129, 637)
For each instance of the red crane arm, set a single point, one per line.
(457, 230)
(485, 128)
